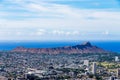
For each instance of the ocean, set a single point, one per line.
(107, 45)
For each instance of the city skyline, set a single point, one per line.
(59, 20)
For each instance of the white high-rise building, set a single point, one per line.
(94, 68)
(118, 72)
(86, 63)
(112, 78)
(116, 58)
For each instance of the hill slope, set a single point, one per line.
(86, 47)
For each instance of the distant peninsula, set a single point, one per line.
(85, 47)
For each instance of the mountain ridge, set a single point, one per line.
(85, 47)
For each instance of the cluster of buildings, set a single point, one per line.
(21, 66)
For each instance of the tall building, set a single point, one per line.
(112, 78)
(116, 58)
(94, 68)
(118, 72)
(86, 63)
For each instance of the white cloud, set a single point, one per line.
(65, 33)
(58, 32)
(76, 33)
(106, 15)
(106, 32)
(19, 33)
(36, 7)
(41, 8)
(41, 32)
(38, 18)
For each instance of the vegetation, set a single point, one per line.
(109, 65)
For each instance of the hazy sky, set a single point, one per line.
(59, 20)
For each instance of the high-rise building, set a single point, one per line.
(118, 72)
(112, 78)
(94, 68)
(116, 58)
(86, 63)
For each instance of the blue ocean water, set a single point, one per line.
(107, 45)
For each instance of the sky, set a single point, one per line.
(59, 20)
